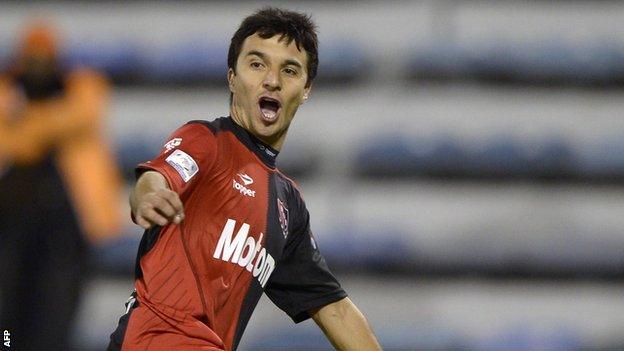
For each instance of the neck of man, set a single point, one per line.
(275, 141)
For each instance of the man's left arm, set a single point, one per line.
(345, 326)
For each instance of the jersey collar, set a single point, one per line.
(267, 154)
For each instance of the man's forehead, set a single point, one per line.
(274, 45)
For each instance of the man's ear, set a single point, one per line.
(306, 94)
(230, 78)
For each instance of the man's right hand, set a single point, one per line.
(153, 203)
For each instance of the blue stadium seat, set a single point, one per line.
(119, 60)
(553, 158)
(439, 61)
(132, 151)
(190, 61)
(392, 156)
(503, 157)
(342, 61)
(603, 159)
(447, 158)
(530, 338)
(549, 61)
(354, 247)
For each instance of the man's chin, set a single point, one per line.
(265, 132)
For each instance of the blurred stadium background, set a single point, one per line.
(463, 161)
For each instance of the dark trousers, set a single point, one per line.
(42, 259)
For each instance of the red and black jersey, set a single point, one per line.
(246, 230)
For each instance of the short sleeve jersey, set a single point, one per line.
(246, 230)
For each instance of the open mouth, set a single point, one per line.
(269, 108)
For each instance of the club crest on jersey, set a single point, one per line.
(283, 217)
(172, 144)
(243, 189)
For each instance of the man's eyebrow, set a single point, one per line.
(264, 57)
(293, 63)
(256, 53)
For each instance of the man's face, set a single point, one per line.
(268, 87)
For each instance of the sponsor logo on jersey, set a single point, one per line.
(243, 189)
(245, 178)
(283, 217)
(245, 251)
(172, 144)
(183, 163)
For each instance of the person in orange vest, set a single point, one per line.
(59, 189)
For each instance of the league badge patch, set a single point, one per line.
(183, 163)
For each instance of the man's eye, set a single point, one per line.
(256, 65)
(290, 71)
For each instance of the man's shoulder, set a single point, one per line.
(292, 188)
(290, 183)
(194, 135)
(215, 126)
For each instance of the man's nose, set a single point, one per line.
(271, 81)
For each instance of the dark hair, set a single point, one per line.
(271, 21)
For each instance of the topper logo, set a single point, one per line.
(245, 178)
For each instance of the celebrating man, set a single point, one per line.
(223, 224)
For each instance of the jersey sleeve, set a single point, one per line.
(302, 281)
(185, 157)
